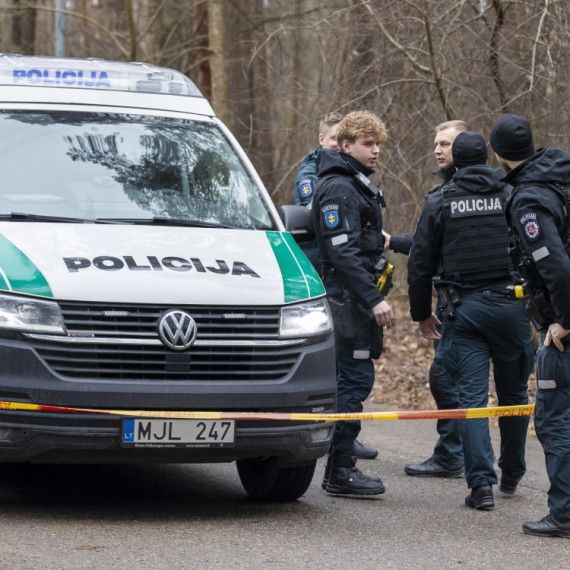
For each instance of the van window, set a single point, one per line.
(127, 167)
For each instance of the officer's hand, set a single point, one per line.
(433, 292)
(556, 333)
(386, 240)
(428, 330)
(384, 315)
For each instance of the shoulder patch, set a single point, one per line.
(532, 230)
(527, 217)
(331, 215)
(305, 187)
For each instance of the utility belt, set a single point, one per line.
(448, 297)
(529, 286)
(383, 275)
(535, 301)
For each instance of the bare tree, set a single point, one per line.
(216, 31)
(273, 69)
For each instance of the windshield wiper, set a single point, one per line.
(19, 216)
(169, 222)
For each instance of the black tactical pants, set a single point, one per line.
(355, 371)
(552, 422)
(448, 450)
(489, 326)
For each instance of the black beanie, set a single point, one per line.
(511, 138)
(468, 149)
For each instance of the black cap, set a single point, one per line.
(468, 149)
(511, 138)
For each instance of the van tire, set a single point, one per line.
(264, 480)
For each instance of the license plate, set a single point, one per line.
(145, 433)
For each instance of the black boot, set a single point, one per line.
(361, 452)
(508, 484)
(326, 476)
(548, 526)
(346, 479)
(481, 497)
(433, 468)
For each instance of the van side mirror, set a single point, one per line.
(299, 221)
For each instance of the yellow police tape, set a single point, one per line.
(496, 412)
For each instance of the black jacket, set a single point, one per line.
(536, 212)
(403, 243)
(348, 226)
(425, 255)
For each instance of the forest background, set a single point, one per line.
(273, 68)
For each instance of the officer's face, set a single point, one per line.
(327, 139)
(443, 143)
(364, 149)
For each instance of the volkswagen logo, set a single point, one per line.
(177, 330)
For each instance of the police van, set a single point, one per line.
(144, 267)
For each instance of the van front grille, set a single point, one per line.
(121, 342)
(142, 320)
(141, 362)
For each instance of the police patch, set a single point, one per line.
(476, 206)
(331, 214)
(527, 217)
(305, 188)
(532, 230)
(331, 219)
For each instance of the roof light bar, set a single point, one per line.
(37, 71)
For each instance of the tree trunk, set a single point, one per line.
(292, 148)
(217, 59)
(132, 30)
(200, 28)
(494, 55)
(450, 116)
(23, 29)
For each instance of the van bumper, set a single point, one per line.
(48, 437)
(70, 437)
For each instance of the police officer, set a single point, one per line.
(461, 235)
(348, 225)
(303, 192)
(447, 457)
(306, 180)
(538, 215)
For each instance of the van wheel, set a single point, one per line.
(264, 480)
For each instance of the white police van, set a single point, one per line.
(143, 267)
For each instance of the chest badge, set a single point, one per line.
(532, 230)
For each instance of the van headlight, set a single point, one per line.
(23, 314)
(305, 319)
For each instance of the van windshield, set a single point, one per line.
(124, 167)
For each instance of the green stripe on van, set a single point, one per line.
(300, 280)
(23, 275)
(316, 287)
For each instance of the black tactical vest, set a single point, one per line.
(475, 241)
